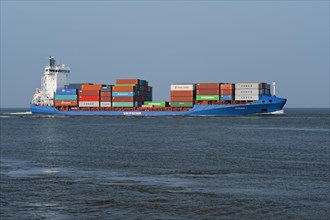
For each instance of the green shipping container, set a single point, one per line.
(157, 104)
(182, 104)
(123, 104)
(207, 97)
(66, 97)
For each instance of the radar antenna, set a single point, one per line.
(52, 61)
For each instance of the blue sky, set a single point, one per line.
(167, 42)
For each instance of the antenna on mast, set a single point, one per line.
(52, 61)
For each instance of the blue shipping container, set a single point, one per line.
(106, 88)
(66, 91)
(73, 86)
(114, 94)
(66, 97)
(226, 97)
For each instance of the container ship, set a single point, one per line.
(133, 97)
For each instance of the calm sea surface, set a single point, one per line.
(258, 167)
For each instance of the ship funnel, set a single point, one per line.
(273, 88)
(51, 61)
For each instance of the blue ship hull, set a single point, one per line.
(266, 104)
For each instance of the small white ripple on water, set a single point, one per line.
(20, 113)
(33, 171)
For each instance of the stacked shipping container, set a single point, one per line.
(130, 93)
(207, 91)
(182, 95)
(89, 95)
(251, 91)
(106, 96)
(134, 92)
(227, 91)
(65, 97)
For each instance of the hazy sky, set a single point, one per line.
(168, 42)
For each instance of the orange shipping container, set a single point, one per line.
(207, 86)
(123, 99)
(89, 98)
(207, 92)
(65, 103)
(182, 93)
(227, 86)
(226, 92)
(181, 99)
(127, 81)
(89, 92)
(105, 93)
(91, 86)
(123, 88)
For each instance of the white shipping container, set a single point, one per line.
(251, 85)
(89, 104)
(248, 91)
(105, 104)
(183, 87)
(246, 97)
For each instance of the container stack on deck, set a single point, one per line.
(65, 97)
(106, 96)
(207, 92)
(182, 95)
(89, 95)
(130, 93)
(250, 91)
(227, 91)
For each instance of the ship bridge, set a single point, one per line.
(54, 77)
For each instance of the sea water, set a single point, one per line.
(88, 167)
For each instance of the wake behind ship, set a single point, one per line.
(133, 97)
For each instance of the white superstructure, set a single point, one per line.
(54, 78)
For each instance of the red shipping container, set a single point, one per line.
(182, 99)
(89, 92)
(91, 86)
(65, 103)
(207, 86)
(105, 98)
(207, 92)
(105, 93)
(226, 92)
(127, 81)
(123, 99)
(226, 86)
(123, 88)
(89, 98)
(182, 93)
